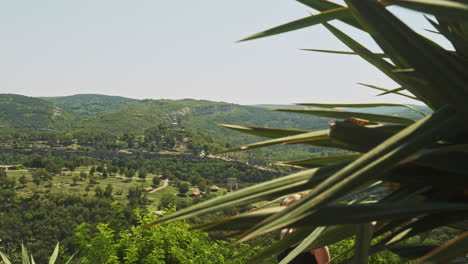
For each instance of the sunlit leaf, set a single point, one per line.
(365, 105)
(318, 162)
(317, 138)
(347, 115)
(302, 23)
(265, 131)
(324, 5)
(386, 90)
(54, 255)
(4, 258)
(382, 55)
(456, 247)
(392, 91)
(458, 9)
(25, 255)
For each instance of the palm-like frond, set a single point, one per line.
(427, 158)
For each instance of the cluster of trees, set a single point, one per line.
(101, 228)
(41, 220)
(28, 113)
(191, 169)
(153, 139)
(107, 192)
(166, 244)
(7, 186)
(39, 175)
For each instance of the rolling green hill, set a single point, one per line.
(22, 113)
(198, 115)
(84, 106)
(118, 115)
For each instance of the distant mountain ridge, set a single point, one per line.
(88, 105)
(118, 115)
(199, 115)
(23, 113)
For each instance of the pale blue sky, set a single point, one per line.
(177, 49)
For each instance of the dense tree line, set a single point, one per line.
(191, 169)
(164, 244)
(196, 170)
(153, 139)
(42, 220)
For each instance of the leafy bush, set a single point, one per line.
(169, 244)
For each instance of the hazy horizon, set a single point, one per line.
(220, 101)
(174, 50)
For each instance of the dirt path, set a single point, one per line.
(165, 184)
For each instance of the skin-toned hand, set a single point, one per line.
(322, 255)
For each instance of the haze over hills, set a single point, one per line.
(89, 105)
(22, 113)
(118, 115)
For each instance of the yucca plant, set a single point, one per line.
(427, 159)
(27, 258)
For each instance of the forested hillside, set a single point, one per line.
(118, 115)
(112, 162)
(203, 116)
(23, 113)
(89, 105)
(105, 119)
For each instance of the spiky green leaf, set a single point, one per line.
(318, 162)
(4, 258)
(454, 248)
(453, 9)
(25, 255)
(302, 23)
(317, 138)
(265, 131)
(369, 105)
(348, 115)
(324, 5)
(386, 90)
(54, 255)
(381, 55)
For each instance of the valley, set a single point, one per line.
(127, 156)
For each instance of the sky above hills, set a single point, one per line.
(179, 49)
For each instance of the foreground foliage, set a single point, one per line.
(158, 244)
(27, 258)
(40, 221)
(423, 162)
